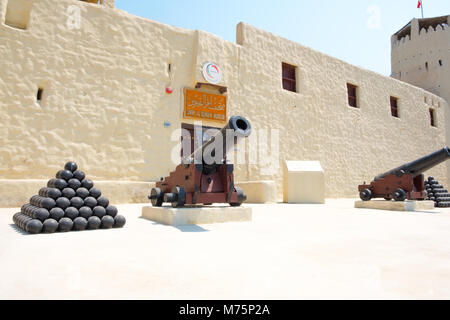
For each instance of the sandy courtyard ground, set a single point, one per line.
(330, 251)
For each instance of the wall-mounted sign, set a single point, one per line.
(204, 106)
(212, 73)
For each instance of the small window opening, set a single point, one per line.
(39, 95)
(440, 63)
(352, 91)
(289, 75)
(426, 66)
(394, 107)
(432, 117)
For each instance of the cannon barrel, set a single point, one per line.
(421, 165)
(237, 125)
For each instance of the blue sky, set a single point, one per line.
(357, 31)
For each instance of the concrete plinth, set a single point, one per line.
(304, 182)
(197, 215)
(395, 206)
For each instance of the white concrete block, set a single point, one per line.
(304, 182)
(197, 215)
(395, 206)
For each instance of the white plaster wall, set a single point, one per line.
(105, 103)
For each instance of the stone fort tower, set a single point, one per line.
(421, 55)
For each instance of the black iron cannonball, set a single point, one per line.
(74, 183)
(83, 193)
(99, 212)
(107, 222)
(65, 225)
(80, 175)
(71, 166)
(119, 221)
(64, 174)
(77, 202)
(94, 223)
(87, 183)
(42, 214)
(85, 212)
(50, 226)
(69, 193)
(63, 203)
(80, 224)
(95, 193)
(57, 183)
(57, 214)
(103, 202)
(34, 226)
(90, 202)
(71, 213)
(112, 211)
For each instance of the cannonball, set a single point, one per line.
(99, 212)
(57, 214)
(90, 202)
(80, 175)
(82, 193)
(119, 221)
(77, 202)
(111, 211)
(42, 214)
(107, 222)
(94, 223)
(53, 193)
(34, 226)
(88, 184)
(64, 174)
(71, 213)
(48, 203)
(65, 225)
(80, 224)
(57, 183)
(103, 202)
(95, 193)
(69, 193)
(71, 166)
(85, 212)
(74, 183)
(63, 203)
(50, 226)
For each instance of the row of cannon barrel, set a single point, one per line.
(70, 202)
(437, 193)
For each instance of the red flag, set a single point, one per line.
(419, 5)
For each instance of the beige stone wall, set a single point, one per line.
(104, 103)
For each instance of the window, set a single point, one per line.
(426, 65)
(433, 117)
(394, 107)
(289, 77)
(440, 63)
(18, 13)
(39, 95)
(352, 95)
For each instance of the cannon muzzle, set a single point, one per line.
(421, 165)
(224, 140)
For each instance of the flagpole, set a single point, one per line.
(422, 7)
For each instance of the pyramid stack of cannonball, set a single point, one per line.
(70, 202)
(437, 193)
